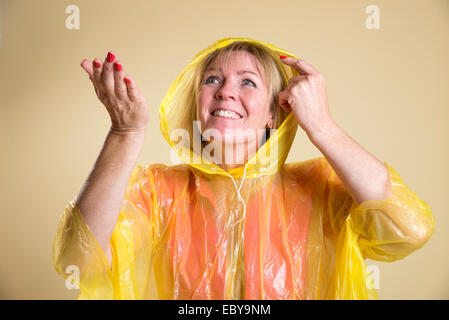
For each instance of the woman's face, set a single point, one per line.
(235, 98)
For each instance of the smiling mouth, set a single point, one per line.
(226, 114)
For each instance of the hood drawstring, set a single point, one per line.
(237, 282)
(239, 195)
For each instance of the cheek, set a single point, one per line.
(258, 106)
(204, 98)
(201, 102)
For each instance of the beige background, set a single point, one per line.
(387, 88)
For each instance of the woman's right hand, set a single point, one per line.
(125, 104)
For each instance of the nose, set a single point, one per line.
(226, 91)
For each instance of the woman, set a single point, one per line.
(234, 221)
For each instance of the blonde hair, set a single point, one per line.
(272, 70)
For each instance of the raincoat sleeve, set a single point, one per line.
(79, 258)
(385, 230)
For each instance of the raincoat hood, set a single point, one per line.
(268, 159)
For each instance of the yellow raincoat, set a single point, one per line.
(266, 230)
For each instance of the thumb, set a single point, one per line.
(283, 101)
(87, 65)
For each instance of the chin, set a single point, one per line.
(218, 134)
(231, 135)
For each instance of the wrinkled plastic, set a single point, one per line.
(268, 230)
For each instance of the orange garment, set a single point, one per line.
(266, 230)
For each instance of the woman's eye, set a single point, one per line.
(250, 82)
(212, 79)
(208, 80)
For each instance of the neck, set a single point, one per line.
(233, 155)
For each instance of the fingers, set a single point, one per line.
(109, 78)
(131, 88)
(107, 75)
(283, 101)
(300, 65)
(97, 67)
(119, 83)
(86, 65)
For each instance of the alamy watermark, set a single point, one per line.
(73, 20)
(73, 280)
(373, 282)
(210, 143)
(373, 20)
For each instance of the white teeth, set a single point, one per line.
(226, 113)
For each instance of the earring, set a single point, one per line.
(267, 132)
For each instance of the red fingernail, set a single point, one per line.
(127, 80)
(283, 57)
(117, 66)
(110, 57)
(97, 64)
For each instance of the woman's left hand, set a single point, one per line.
(306, 96)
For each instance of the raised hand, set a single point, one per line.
(306, 95)
(126, 105)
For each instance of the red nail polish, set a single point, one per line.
(110, 57)
(127, 80)
(117, 66)
(283, 57)
(97, 64)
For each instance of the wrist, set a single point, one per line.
(323, 128)
(128, 141)
(128, 133)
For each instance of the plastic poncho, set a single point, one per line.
(266, 230)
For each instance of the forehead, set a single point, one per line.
(238, 61)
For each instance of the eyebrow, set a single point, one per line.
(238, 72)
